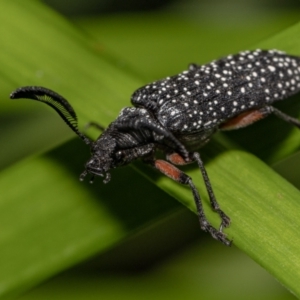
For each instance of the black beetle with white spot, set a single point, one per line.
(178, 114)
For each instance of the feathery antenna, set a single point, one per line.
(57, 102)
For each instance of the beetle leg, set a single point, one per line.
(93, 124)
(144, 123)
(193, 66)
(212, 198)
(179, 176)
(176, 159)
(247, 118)
(283, 116)
(128, 155)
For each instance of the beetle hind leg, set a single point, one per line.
(176, 159)
(284, 116)
(174, 173)
(253, 115)
(214, 203)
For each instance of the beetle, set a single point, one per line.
(179, 114)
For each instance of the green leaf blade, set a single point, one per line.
(50, 221)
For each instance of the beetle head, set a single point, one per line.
(102, 159)
(104, 150)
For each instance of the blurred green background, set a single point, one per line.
(162, 252)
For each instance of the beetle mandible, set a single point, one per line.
(179, 114)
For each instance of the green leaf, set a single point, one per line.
(49, 221)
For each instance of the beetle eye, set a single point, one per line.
(119, 155)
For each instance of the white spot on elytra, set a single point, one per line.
(272, 68)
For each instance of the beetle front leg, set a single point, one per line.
(95, 125)
(179, 176)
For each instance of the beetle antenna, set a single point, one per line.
(57, 102)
